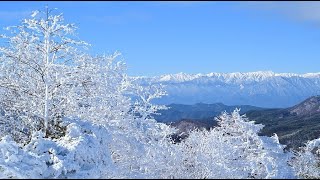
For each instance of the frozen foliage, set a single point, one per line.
(232, 150)
(82, 153)
(37, 69)
(46, 76)
(86, 151)
(307, 161)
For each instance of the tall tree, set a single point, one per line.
(37, 60)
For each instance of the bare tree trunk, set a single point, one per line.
(46, 113)
(46, 117)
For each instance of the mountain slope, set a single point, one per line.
(262, 89)
(295, 125)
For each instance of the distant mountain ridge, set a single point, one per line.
(262, 88)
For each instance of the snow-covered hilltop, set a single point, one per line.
(262, 88)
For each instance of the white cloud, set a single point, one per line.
(302, 11)
(121, 18)
(13, 15)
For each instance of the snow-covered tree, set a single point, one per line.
(141, 142)
(34, 65)
(307, 160)
(232, 150)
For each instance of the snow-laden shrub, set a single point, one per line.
(16, 126)
(231, 150)
(86, 151)
(82, 153)
(307, 161)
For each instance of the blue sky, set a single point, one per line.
(193, 37)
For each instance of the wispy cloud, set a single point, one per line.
(182, 2)
(13, 15)
(122, 18)
(187, 4)
(302, 11)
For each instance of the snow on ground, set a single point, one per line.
(81, 153)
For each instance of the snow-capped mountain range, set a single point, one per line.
(262, 88)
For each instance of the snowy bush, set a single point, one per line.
(232, 150)
(86, 151)
(82, 153)
(307, 161)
